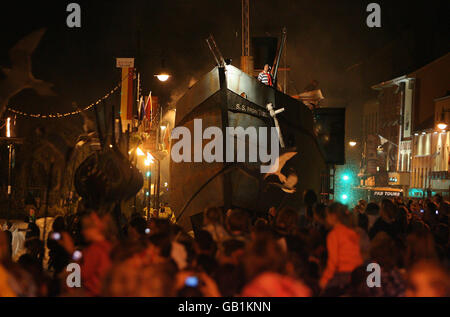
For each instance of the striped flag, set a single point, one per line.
(148, 109)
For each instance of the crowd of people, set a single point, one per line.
(319, 250)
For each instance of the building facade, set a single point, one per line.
(412, 152)
(430, 168)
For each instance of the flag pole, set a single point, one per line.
(138, 96)
(151, 108)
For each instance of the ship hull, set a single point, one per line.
(228, 97)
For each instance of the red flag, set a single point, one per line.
(148, 107)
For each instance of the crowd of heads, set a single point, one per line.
(315, 250)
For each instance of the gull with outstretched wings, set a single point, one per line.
(282, 160)
(20, 76)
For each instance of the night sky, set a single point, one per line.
(327, 41)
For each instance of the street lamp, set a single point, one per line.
(10, 158)
(139, 152)
(10, 140)
(163, 77)
(148, 162)
(352, 143)
(442, 126)
(8, 127)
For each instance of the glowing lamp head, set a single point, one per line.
(345, 177)
(149, 160)
(352, 143)
(139, 152)
(8, 127)
(163, 77)
(442, 126)
(344, 197)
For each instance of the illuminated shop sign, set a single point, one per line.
(388, 194)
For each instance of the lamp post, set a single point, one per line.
(149, 190)
(10, 140)
(163, 76)
(158, 162)
(140, 153)
(148, 162)
(10, 157)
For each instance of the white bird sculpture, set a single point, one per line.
(20, 76)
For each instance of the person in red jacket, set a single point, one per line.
(343, 249)
(95, 260)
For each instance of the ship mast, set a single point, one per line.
(246, 59)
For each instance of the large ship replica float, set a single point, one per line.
(310, 143)
(229, 97)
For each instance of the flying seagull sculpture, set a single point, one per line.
(19, 76)
(282, 160)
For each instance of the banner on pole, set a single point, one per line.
(127, 97)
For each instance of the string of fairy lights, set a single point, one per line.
(68, 114)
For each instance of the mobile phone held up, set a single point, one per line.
(77, 255)
(55, 236)
(191, 281)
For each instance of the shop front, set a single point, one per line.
(377, 194)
